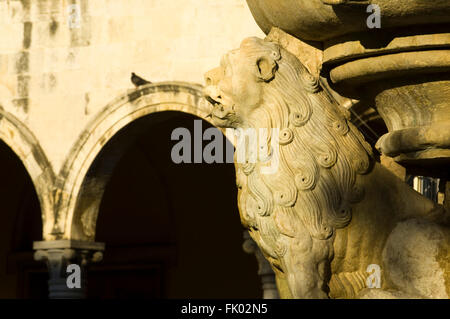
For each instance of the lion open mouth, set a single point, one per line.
(222, 115)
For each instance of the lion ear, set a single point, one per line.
(266, 68)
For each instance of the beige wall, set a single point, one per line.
(55, 78)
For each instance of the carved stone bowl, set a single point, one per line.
(320, 20)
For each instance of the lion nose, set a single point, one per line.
(213, 76)
(212, 94)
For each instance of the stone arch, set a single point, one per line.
(25, 145)
(80, 195)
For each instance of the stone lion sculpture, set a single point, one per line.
(331, 220)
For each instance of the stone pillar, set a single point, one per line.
(58, 255)
(269, 285)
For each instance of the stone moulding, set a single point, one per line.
(415, 139)
(321, 20)
(358, 72)
(404, 73)
(353, 47)
(400, 68)
(25, 145)
(70, 199)
(82, 195)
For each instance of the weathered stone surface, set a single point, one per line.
(329, 211)
(402, 64)
(310, 54)
(320, 20)
(417, 114)
(417, 254)
(61, 67)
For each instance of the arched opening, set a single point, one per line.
(171, 230)
(20, 225)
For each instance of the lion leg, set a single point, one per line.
(283, 287)
(304, 282)
(307, 274)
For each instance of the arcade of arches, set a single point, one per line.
(155, 222)
(90, 183)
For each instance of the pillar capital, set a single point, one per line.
(59, 254)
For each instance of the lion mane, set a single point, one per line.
(299, 211)
(320, 155)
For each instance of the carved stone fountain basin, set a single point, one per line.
(320, 20)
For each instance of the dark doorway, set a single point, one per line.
(20, 225)
(171, 230)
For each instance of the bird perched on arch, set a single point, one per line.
(137, 80)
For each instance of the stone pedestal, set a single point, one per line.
(58, 255)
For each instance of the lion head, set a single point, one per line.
(261, 85)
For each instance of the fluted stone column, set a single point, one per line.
(266, 273)
(58, 255)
